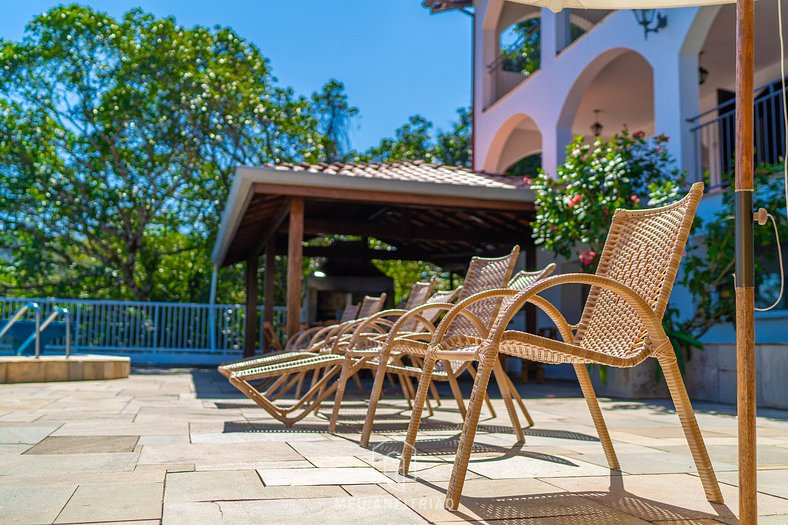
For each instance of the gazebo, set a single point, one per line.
(421, 211)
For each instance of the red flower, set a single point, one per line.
(575, 200)
(635, 199)
(527, 180)
(587, 257)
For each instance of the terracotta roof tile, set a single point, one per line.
(412, 171)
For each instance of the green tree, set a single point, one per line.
(524, 54)
(709, 264)
(415, 140)
(335, 115)
(118, 142)
(412, 141)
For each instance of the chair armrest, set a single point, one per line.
(418, 314)
(375, 324)
(641, 308)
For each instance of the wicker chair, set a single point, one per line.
(386, 356)
(318, 339)
(621, 326)
(324, 361)
(302, 339)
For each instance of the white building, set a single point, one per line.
(600, 67)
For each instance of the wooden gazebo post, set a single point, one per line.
(270, 272)
(295, 252)
(250, 320)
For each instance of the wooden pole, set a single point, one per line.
(295, 253)
(250, 321)
(268, 299)
(745, 288)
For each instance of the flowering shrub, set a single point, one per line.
(575, 207)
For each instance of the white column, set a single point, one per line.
(676, 97)
(554, 141)
(553, 34)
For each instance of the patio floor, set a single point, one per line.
(181, 447)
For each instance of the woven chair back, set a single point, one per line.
(419, 294)
(349, 313)
(371, 305)
(643, 251)
(483, 274)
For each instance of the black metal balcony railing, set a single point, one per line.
(715, 138)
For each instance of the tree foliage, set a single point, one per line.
(709, 264)
(118, 142)
(335, 114)
(415, 140)
(575, 208)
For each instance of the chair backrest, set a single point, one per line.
(371, 305)
(643, 251)
(431, 314)
(349, 313)
(419, 293)
(524, 278)
(483, 274)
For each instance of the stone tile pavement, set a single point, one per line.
(182, 447)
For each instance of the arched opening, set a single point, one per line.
(615, 91)
(519, 137)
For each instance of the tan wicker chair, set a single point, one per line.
(399, 341)
(302, 339)
(324, 362)
(474, 324)
(318, 339)
(621, 326)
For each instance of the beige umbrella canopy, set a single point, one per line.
(745, 291)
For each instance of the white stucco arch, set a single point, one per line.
(518, 137)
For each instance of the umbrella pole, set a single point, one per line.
(745, 275)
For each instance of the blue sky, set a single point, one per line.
(393, 56)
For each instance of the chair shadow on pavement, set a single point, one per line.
(614, 505)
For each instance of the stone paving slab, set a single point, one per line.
(84, 445)
(27, 505)
(213, 485)
(183, 447)
(115, 502)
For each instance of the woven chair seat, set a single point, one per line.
(307, 363)
(266, 360)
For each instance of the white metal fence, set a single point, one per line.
(153, 332)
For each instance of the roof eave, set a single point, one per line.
(246, 177)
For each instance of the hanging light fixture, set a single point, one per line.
(597, 127)
(651, 20)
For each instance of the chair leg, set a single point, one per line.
(455, 387)
(503, 385)
(520, 403)
(596, 415)
(415, 417)
(357, 380)
(691, 430)
(434, 392)
(374, 397)
(341, 384)
(300, 384)
(487, 400)
(454, 491)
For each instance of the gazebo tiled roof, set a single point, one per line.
(421, 207)
(411, 171)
